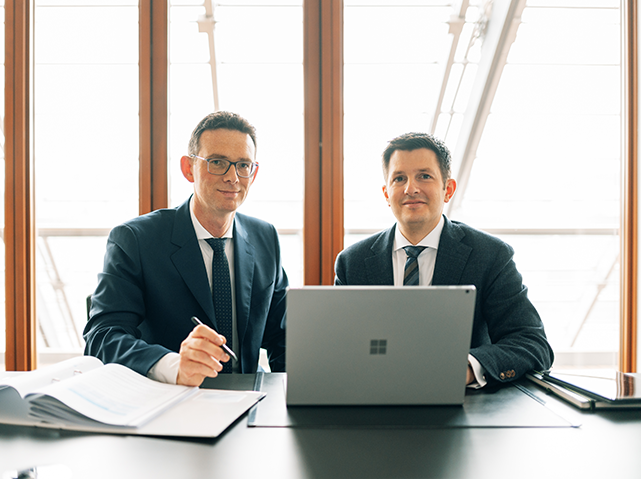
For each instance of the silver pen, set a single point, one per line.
(227, 349)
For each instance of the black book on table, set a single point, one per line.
(606, 386)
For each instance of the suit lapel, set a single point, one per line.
(244, 275)
(451, 257)
(378, 266)
(188, 260)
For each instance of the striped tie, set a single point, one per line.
(221, 293)
(410, 276)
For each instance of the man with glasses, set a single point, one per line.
(426, 248)
(201, 263)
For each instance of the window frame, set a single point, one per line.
(628, 335)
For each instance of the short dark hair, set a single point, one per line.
(415, 141)
(220, 120)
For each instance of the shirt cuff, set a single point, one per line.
(166, 369)
(479, 373)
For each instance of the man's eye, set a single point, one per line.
(398, 179)
(425, 176)
(245, 165)
(215, 162)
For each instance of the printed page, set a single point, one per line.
(112, 394)
(30, 381)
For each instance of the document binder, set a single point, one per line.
(82, 394)
(590, 390)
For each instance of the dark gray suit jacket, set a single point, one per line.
(508, 337)
(154, 281)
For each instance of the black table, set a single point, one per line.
(581, 444)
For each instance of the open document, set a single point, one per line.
(83, 394)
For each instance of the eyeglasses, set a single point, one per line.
(218, 166)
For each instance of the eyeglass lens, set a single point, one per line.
(220, 167)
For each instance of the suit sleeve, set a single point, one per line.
(517, 341)
(274, 336)
(340, 271)
(118, 308)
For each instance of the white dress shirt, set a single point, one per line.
(166, 369)
(426, 262)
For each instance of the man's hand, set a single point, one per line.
(200, 356)
(470, 375)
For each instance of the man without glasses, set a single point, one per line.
(425, 248)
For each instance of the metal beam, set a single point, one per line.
(456, 23)
(206, 24)
(519, 231)
(589, 300)
(502, 26)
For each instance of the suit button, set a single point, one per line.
(502, 376)
(512, 373)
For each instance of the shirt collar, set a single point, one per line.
(201, 232)
(431, 240)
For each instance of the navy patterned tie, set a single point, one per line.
(410, 276)
(221, 293)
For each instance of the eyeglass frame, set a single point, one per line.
(207, 160)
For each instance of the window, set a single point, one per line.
(85, 155)
(245, 57)
(532, 117)
(538, 165)
(552, 145)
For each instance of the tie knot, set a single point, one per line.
(413, 251)
(217, 244)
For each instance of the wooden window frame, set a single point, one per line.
(19, 228)
(19, 231)
(323, 229)
(154, 116)
(630, 187)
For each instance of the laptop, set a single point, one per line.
(378, 345)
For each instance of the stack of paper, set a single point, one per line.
(83, 394)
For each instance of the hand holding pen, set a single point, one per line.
(227, 349)
(201, 355)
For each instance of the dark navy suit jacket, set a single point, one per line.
(507, 337)
(154, 281)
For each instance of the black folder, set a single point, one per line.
(594, 389)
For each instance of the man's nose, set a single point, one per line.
(411, 187)
(231, 175)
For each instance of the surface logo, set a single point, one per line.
(378, 346)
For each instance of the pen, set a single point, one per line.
(227, 349)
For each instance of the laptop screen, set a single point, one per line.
(378, 344)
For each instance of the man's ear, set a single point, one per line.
(386, 195)
(450, 188)
(186, 164)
